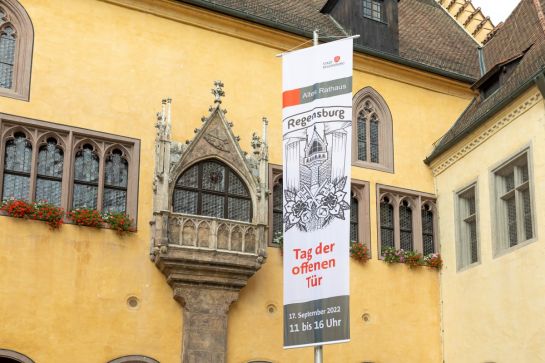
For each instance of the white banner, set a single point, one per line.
(317, 133)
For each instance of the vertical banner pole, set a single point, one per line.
(318, 350)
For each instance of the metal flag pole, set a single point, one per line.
(318, 349)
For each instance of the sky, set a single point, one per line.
(497, 10)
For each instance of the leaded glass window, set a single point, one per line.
(368, 134)
(427, 230)
(278, 209)
(211, 188)
(405, 226)
(17, 165)
(373, 9)
(7, 54)
(49, 173)
(116, 171)
(386, 224)
(86, 168)
(514, 202)
(354, 235)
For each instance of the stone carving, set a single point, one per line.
(216, 141)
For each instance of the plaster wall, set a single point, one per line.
(492, 311)
(106, 67)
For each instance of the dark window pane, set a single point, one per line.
(386, 225)
(213, 177)
(213, 205)
(236, 186)
(509, 181)
(49, 178)
(362, 137)
(185, 201)
(278, 210)
(239, 209)
(405, 227)
(512, 221)
(17, 163)
(473, 241)
(190, 178)
(354, 220)
(85, 178)
(427, 232)
(116, 171)
(374, 139)
(527, 208)
(7, 56)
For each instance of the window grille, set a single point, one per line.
(116, 171)
(86, 167)
(514, 203)
(49, 176)
(211, 188)
(17, 165)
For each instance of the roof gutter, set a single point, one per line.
(294, 30)
(538, 79)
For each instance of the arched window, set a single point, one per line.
(427, 230)
(211, 188)
(405, 226)
(278, 209)
(17, 165)
(49, 174)
(86, 167)
(116, 173)
(134, 359)
(386, 223)
(10, 356)
(354, 233)
(372, 131)
(16, 39)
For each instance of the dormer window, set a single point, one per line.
(373, 9)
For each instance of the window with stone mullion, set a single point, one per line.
(86, 170)
(428, 243)
(116, 173)
(49, 173)
(387, 235)
(405, 226)
(17, 166)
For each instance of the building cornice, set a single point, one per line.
(484, 133)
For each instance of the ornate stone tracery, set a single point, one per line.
(207, 260)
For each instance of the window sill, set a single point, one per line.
(508, 250)
(468, 267)
(374, 166)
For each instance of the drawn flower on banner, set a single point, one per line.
(311, 212)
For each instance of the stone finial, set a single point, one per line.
(218, 91)
(256, 143)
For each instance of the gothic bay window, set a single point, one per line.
(115, 182)
(49, 174)
(16, 38)
(17, 166)
(211, 188)
(407, 220)
(372, 131)
(67, 166)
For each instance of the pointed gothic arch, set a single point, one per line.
(372, 131)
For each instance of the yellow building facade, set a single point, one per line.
(99, 70)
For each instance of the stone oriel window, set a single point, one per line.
(513, 202)
(467, 241)
(407, 220)
(372, 142)
(211, 188)
(359, 207)
(68, 166)
(16, 42)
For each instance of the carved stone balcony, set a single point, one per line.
(208, 251)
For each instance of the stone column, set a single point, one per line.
(205, 312)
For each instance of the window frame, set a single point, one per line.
(499, 227)
(373, 2)
(69, 138)
(20, 21)
(359, 190)
(385, 131)
(417, 201)
(463, 243)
